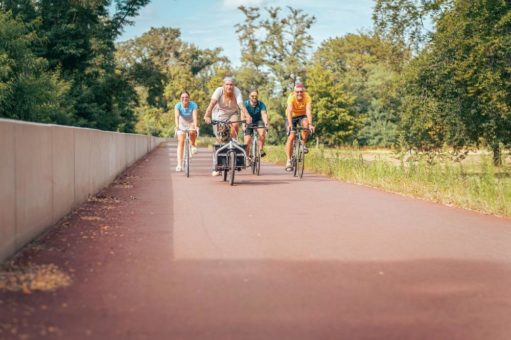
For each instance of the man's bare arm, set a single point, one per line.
(209, 111)
(244, 113)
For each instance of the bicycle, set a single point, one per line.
(230, 157)
(255, 151)
(298, 156)
(187, 152)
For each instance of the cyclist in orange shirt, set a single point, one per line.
(299, 111)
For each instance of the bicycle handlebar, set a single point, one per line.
(299, 128)
(255, 126)
(226, 122)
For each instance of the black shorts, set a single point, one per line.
(296, 121)
(248, 130)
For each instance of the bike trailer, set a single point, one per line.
(220, 155)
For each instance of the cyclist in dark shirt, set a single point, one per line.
(257, 110)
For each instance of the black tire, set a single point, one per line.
(232, 166)
(296, 157)
(257, 159)
(187, 158)
(300, 164)
(225, 172)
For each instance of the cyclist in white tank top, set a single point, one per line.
(227, 101)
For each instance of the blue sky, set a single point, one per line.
(210, 23)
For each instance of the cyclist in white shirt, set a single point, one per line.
(227, 102)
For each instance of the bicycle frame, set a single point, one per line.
(298, 156)
(187, 152)
(232, 152)
(255, 152)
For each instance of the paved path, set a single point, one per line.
(161, 256)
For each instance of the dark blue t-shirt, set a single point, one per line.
(255, 111)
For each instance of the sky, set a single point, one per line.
(210, 23)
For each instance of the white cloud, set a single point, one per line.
(237, 3)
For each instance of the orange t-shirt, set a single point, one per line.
(298, 107)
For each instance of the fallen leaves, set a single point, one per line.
(103, 198)
(33, 277)
(91, 218)
(123, 182)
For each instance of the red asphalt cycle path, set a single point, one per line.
(271, 257)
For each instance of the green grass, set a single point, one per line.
(206, 141)
(474, 184)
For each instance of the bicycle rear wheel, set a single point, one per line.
(187, 157)
(232, 166)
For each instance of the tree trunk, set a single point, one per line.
(497, 156)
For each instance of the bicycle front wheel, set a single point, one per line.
(253, 154)
(300, 163)
(232, 166)
(297, 156)
(257, 161)
(187, 157)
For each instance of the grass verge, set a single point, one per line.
(476, 186)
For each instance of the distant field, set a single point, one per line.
(473, 183)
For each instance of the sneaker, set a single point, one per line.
(289, 167)
(178, 168)
(215, 173)
(263, 153)
(305, 150)
(194, 150)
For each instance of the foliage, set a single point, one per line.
(160, 65)
(405, 23)
(364, 67)
(278, 44)
(334, 122)
(275, 54)
(458, 90)
(74, 40)
(154, 121)
(28, 90)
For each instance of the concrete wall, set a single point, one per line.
(46, 170)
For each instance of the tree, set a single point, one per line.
(406, 24)
(252, 53)
(464, 75)
(147, 59)
(80, 41)
(160, 65)
(28, 90)
(363, 65)
(333, 120)
(474, 43)
(76, 40)
(279, 44)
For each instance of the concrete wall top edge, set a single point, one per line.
(66, 127)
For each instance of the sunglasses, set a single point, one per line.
(298, 91)
(253, 96)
